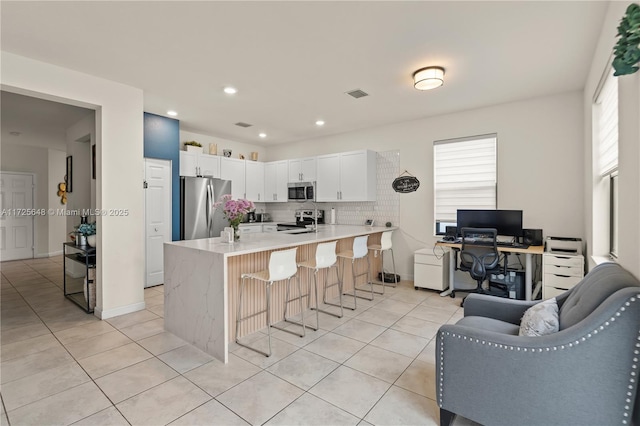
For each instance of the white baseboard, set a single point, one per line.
(110, 313)
(44, 255)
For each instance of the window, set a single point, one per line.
(606, 134)
(465, 176)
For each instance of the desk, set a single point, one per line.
(528, 272)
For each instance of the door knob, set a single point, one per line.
(155, 229)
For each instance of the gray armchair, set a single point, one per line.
(585, 374)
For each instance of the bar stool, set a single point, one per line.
(385, 245)
(325, 259)
(358, 251)
(282, 266)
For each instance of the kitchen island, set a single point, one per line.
(202, 279)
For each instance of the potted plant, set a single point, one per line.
(627, 49)
(193, 146)
(84, 232)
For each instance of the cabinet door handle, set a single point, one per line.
(155, 229)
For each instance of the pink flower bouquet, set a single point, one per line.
(234, 210)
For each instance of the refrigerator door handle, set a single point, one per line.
(209, 209)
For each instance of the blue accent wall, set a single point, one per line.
(162, 140)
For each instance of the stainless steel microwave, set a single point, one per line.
(302, 191)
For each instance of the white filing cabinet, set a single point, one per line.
(560, 272)
(430, 271)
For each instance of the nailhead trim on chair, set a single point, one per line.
(634, 365)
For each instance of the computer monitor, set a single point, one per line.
(507, 222)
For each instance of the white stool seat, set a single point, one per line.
(385, 245)
(325, 258)
(282, 266)
(358, 251)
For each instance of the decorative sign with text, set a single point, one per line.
(405, 184)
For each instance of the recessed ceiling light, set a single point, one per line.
(172, 113)
(320, 123)
(263, 135)
(230, 90)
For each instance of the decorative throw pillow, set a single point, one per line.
(540, 319)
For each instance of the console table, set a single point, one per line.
(79, 279)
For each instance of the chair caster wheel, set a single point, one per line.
(452, 295)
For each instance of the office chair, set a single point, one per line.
(479, 255)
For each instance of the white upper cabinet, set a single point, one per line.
(302, 169)
(328, 178)
(275, 181)
(234, 170)
(346, 176)
(198, 164)
(254, 183)
(209, 165)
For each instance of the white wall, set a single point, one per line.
(235, 147)
(57, 225)
(540, 165)
(629, 152)
(80, 137)
(119, 150)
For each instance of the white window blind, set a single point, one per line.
(607, 102)
(465, 175)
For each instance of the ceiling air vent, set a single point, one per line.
(357, 93)
(241, 124)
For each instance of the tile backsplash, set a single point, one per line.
(385, 209)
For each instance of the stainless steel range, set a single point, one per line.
(304, 218)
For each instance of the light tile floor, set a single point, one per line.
(60, 365)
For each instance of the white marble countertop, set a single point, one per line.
(262, 241)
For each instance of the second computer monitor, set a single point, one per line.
(507, 222)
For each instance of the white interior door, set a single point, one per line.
(16, 216)
(157, 202)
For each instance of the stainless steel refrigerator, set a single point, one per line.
(198, 218)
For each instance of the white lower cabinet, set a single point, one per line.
(560, 272)
(430, 271)
(250, 228)
(269, 228)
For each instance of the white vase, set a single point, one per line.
(191, 148)
(91, 240)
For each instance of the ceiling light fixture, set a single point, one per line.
(320, 123)
(428, 78)
(263, 135)
(172, 113)
(230, 90)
